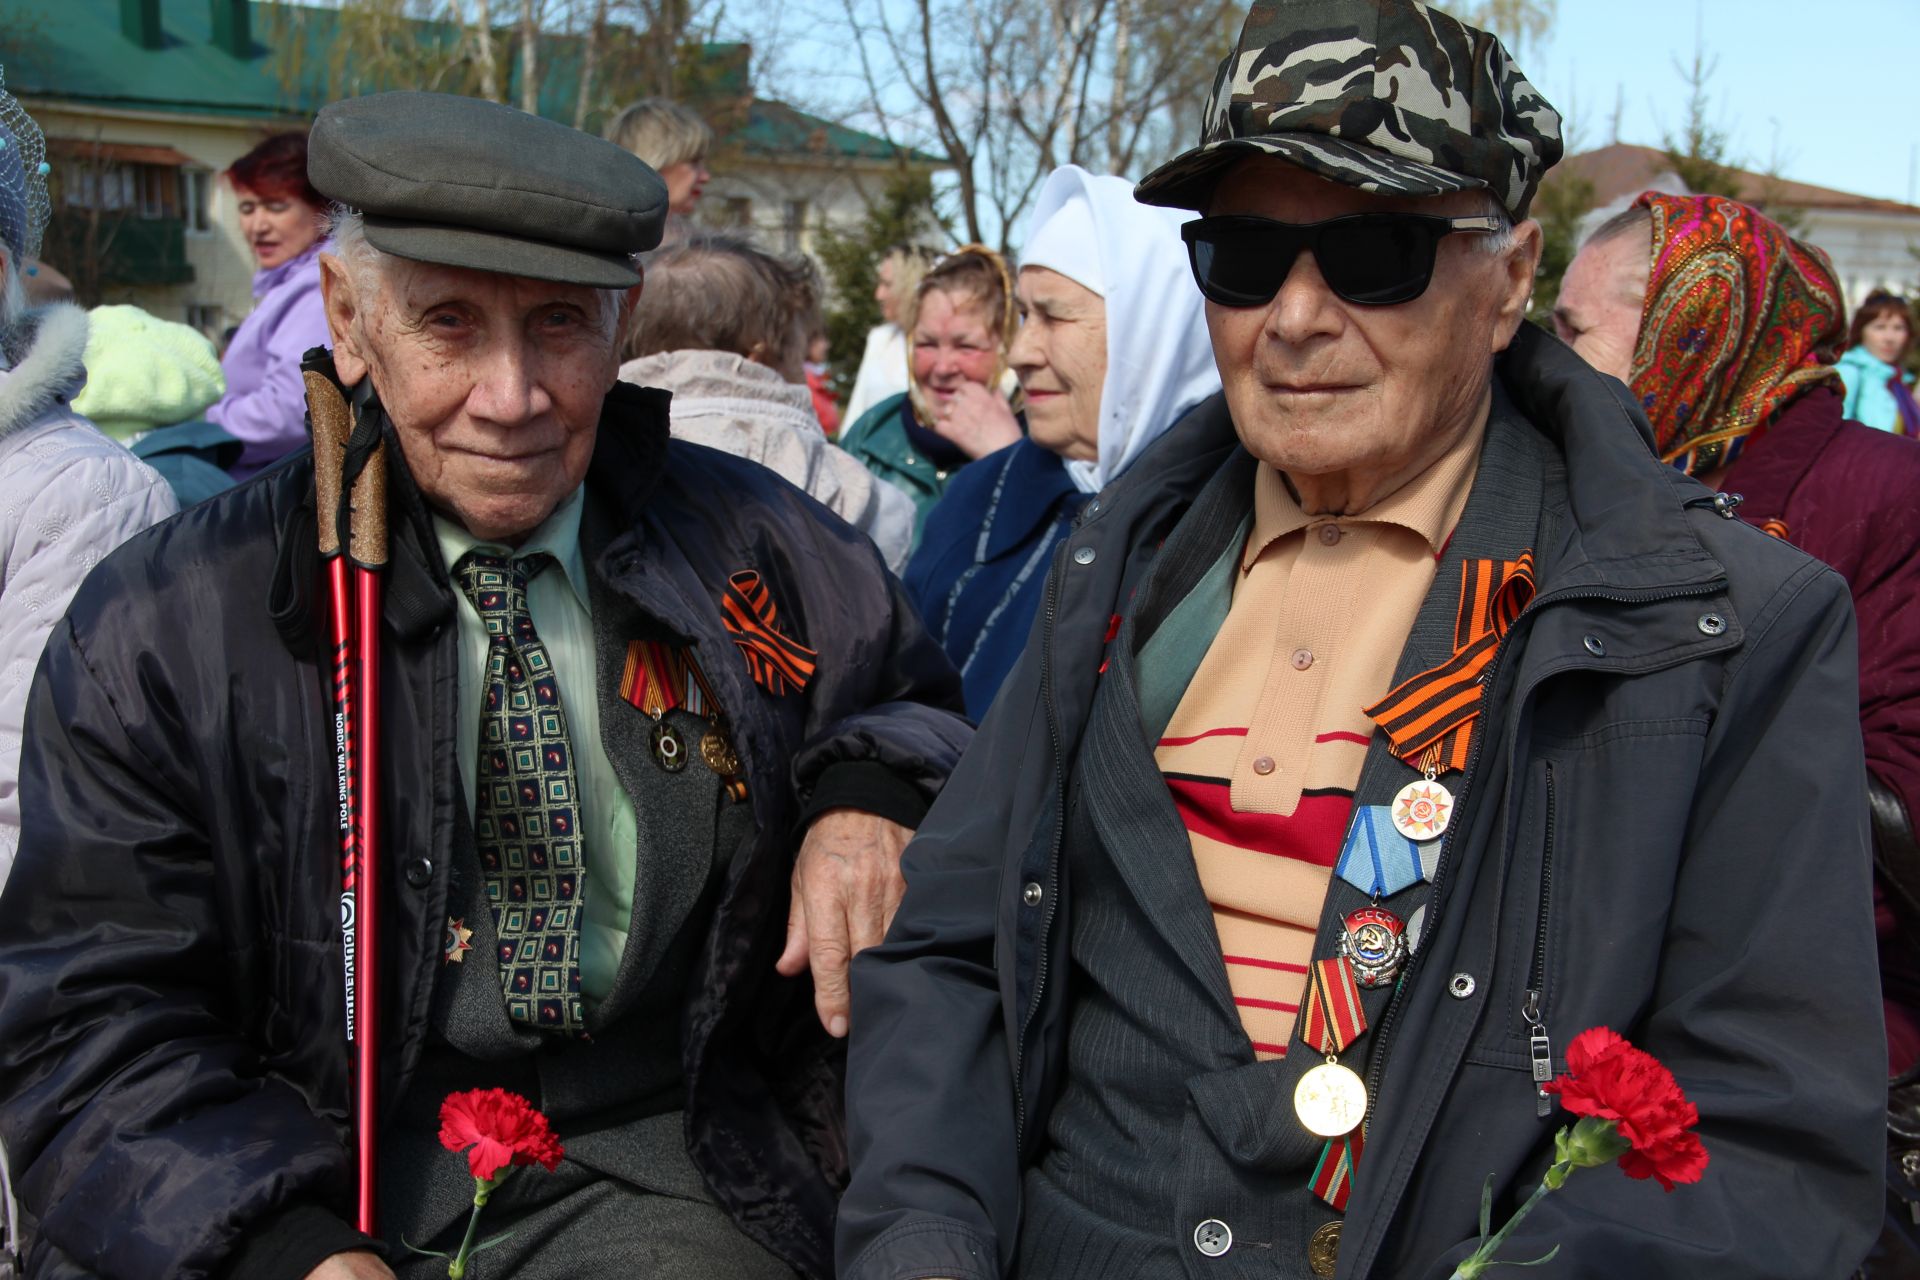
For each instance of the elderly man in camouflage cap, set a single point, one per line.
(1396, 722)
(632, 690)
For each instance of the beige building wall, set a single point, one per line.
(222, 264)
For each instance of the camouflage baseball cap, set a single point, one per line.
(1384, 95)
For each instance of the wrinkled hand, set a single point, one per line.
(358, 1265)
(846, 887)
(978, 419)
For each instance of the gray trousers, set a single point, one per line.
(579, 1224)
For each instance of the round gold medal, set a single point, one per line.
(1323, 1251)
(1422, 810)
(718, 754)
(1331, 1100)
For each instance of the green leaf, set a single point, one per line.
(1486, 1207)
(429, 1253)
(491, 1241)
(1536, 1262)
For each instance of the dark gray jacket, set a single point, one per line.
(1699, 881)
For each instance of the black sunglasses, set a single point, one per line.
(1373, 259)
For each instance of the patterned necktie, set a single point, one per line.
(526, 809)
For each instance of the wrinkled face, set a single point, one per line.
(1318, 385)
(883, 293)
(494, 383)
(1885, 337)
(1060, 356)
(1601, 298)
(952, 344)
(278, 228)
(685, 181)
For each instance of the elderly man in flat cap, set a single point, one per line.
(716, 666)
(1400, 719)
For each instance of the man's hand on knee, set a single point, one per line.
(846, 887)
(358, 1265)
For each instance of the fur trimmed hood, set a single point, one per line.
(44, 353)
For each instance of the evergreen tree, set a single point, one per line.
(900, 215)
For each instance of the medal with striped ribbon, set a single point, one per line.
(1331, 1100)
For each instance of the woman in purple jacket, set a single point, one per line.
(284, 220)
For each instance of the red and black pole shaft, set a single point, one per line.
(355, 683)
(368, 551)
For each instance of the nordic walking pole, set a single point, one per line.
(332, 421)
(367, 549)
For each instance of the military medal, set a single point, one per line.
(717, 754)
(669, 748)
(1331, 1099)
(1374, 939)
(1422, 809)
(1323, 1250)
(1377, 859)
(459, 941)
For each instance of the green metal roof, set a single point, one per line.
(74, 50)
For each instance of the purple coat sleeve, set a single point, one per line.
(266, 403)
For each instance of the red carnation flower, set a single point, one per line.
(503, 1129)
(1609, 1079)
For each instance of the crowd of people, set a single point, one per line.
(1153, 783)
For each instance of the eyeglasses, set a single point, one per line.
(1373, 259)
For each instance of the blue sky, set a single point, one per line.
(1833, 81)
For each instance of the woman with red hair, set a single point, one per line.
(284, 220)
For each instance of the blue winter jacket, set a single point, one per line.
(1869, 397)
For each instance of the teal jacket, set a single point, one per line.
(1869, 397)
(879, 441)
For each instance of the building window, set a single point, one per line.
(737, 213)
(149, 190)
(196, 199)
(159, 188)
(793, 225)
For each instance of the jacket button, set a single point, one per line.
(420, 872)
(1461, 987)
(1083, 555)
(1595, 646)
(1213, 1237)
(1032, 894)
(1093, 508)
(1712, 624)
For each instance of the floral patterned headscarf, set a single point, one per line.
(1740, 318)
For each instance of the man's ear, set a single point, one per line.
(1518, 267)
(341, 299)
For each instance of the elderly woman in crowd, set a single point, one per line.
(1733, 364)
(674, 140)
(1877, 389)
(284, 220)
(1112, 349)
(959, 322)
(68, 495)
(725, 330)
(883, 366)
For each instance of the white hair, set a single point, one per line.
(1495, 243)
(371, 265)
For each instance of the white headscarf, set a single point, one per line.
(1159, 361)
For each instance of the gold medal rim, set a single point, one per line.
(1323, 1249)
(1407, 829)
(1351, 1082)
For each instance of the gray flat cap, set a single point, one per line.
(470, 183)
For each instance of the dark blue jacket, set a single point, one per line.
(1675, 713)
(981, 567)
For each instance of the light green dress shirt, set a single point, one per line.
(558, 598)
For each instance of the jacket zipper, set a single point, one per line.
(1383, 1034)
(1539, 1045)
(1052, 895)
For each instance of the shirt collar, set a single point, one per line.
(558, 536)
(1428, 504)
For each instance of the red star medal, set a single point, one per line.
(1422, 810)
(458, 941)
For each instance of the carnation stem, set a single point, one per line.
(1471, 1268)
(482, 1188)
